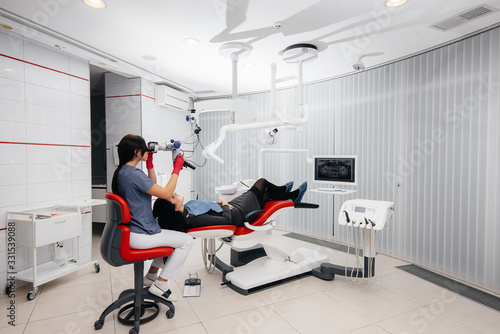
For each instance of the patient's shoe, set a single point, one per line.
(163, 291)
(289, 186)
(149, 279)
(302, 190)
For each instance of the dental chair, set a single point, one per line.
(259, 260)
(116, 251)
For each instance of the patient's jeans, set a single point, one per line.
(182, 243)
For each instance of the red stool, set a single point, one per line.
(116, 251)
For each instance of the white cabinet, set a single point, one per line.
(39, 227)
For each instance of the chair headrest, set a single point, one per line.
(123, 205)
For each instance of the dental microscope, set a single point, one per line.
(173, 146)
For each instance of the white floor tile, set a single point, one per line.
(261, 320)
(57, 301)
(423, 320)
(78, 322)
(319, 313)
(192, 329)
(391, 302)
(469, 313)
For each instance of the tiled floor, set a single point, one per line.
(392, 302)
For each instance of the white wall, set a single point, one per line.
(130, 109)
(123, 114)
(161, 124)
(44, 132)
(429, 124)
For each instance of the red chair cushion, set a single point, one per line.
(269, 209)
(135, 255)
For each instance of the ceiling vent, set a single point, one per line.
(465, 17)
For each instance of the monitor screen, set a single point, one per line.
(339, 169)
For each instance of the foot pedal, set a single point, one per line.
(192, 286)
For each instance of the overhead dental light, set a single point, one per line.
(300, 52)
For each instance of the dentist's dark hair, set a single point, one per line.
(127, 147)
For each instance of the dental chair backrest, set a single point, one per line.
(118, 213)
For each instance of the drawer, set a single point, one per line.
(58, 228)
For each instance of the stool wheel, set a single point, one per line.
(133, 331)
(170, 314)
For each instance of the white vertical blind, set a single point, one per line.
(426, 132)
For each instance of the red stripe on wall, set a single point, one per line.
(3, 229)
(149, 97)
(42, 144)
(44, 67)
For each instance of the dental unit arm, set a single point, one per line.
(209, 151)
(286, 124)
(173, 146)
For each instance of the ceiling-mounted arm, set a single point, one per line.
(234, 58)
(235, 51)
(298, 53)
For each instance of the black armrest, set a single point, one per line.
(251, 216)
(301, 205)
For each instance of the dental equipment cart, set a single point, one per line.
(36, 228)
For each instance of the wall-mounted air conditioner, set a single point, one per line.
(169, 97)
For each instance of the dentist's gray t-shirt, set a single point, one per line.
(132, 187)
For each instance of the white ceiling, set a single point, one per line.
(127, 31)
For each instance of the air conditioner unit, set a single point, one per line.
(245, 111)
(169, 97)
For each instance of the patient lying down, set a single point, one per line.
(174, 214)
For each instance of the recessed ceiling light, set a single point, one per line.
(149, 57)
(6, 26)
(95, 3)
(102, 63)
(395, 3)
(10, 70)
(190, 41)
(248, 65)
